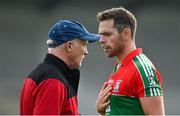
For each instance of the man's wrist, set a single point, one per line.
(101, 112)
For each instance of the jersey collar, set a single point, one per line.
(131, 55)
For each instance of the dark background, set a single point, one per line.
(24, 25)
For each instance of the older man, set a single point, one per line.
(51, 88)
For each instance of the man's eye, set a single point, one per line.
(106, 35)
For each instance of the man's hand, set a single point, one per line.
(103, 99)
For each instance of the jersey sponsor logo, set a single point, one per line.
(116, 86)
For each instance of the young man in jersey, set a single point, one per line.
(51, 88)
(135, 86)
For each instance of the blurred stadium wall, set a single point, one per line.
(24, 25)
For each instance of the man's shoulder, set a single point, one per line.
(45, 71)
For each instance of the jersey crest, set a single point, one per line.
(116, 86)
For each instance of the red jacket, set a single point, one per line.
(51, 88)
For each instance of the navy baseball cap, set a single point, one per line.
(67, 30)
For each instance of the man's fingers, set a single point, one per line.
(106, 91)
(106, 104)
(106, 98)
(104, 86)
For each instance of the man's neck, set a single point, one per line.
(125, 52)
(61, 55)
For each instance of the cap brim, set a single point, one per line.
(91, 37)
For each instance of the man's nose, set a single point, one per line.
(86, 52)
(102, 39)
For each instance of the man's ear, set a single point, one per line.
(68, 46)
(126, 33)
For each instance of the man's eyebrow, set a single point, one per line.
(105, 33)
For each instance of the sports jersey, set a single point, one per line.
(136, 77)
(50, 89)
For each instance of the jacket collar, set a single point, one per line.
(71, 75)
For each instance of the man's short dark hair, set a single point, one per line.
(122, 18)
